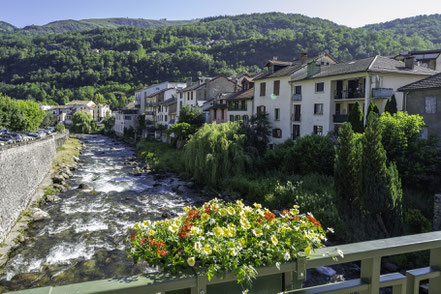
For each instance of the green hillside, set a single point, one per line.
(425, 26)
(115, 62)
(63, 26)
(6, 27)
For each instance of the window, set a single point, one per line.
(180, 104)
(298, 90)
(245, 118)
(231, 117)
(295, 131)
(319, 87)
(277, 133)
(318, 130)
(262, 89)
(191, 96)
(276, 89)
(431, 104)
(277, 114)
(222, 114)
(180, 95)
(127, 117)
(166, 118)
(261, 109)
(337, 108)
(297, 112)
(215, 114)
(237, 118)
(318, 108)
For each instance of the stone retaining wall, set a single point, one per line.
(22, 168)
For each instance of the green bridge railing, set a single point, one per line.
(288, 278)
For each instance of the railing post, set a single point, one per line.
(370, 272)
(435, 261)
(201, 285)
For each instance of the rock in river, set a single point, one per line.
(38, 214)
(84, 186)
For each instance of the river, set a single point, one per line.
(85, 238)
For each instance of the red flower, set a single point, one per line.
(133, 236)
(269, 216)
(208, 210)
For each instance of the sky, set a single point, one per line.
(352, 13)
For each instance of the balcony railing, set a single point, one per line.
(351, 94)
(382, 92)
(340, 118)
(289, 276)
(237, 108)
(297, 97)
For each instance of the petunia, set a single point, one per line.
(191, 261)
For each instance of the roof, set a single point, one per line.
(277, 62)
(197, 85)
(242, 95)
(427, 83)
(192, 87)
(169, 101)
(378, 64)
(159, 92)
(79, 102)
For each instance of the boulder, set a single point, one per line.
(84, 186)
(64, 175)
(58, 180)
(51, 198)
(75, 158)
(38, 214)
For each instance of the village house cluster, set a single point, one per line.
(309, 94)
(64, 113)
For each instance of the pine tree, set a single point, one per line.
(380, 185)
(391, 105)
(355, 117)
(372, 108)
(347, 171)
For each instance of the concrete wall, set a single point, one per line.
(416, 104)
(22, 168)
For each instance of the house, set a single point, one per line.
(141, 96)
(218, 112)
(272, 93)
(241, 103)
(206, 89)
(101, 111)
(425, 58)
(152, 105)
(323, 95)
(82, 105)
(125, 119)
(423, 97)
(167, 112)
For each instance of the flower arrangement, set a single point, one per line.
(226, 237)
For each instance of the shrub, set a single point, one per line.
(60, 128)
(191, 115)
(355, 118)
(226, 237)
(416, 222)
(160, 156)
(82, 122)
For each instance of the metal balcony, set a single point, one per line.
(297, 97)
(340, 118)
(382, 93)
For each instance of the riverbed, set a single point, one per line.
(85, 237)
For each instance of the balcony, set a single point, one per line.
(340, 118)
(149, 113)
(355, 94)
(289, 276)
(297, 97)
(232, 108)
(383, 93)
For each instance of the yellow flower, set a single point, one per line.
(242, 242)
(198, 247)
(233, 251)
(191, 261)
(240, 203)
(274, 240)
(222, 211)
(248, 209)
(256, 205)
(207, 249)
(187, 208)
(230, 210)
(257, 232)
(205, 217)
(245, 224)
(231, 232)
(173, 228)
(218, 231)
(308, 250)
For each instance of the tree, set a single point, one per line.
(381, 192)
(48, 121)
(181, 131)
(60, 128)
(347, 171)
(372, 108)
(82, 122)
(191, 115)
(99, 99)
(355, 118)
(20, 115)
(391, 105)
(257, 131)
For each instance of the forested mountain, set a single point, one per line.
(115, 62)
(425, 26)
(70, 25)
(6, 27)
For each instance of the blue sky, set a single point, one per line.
(353, 13)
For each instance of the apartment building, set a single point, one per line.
(141, 96)
(272, 93)
(323, 95)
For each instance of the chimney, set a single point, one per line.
(303, 57)
(189, 82)
(275, 58)
(409, 62)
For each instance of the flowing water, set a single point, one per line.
(85, 238)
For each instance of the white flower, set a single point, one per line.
(212, 221)
(245, 291)
(287, 256)
(207, 249)
(331, 230)
(173, 228)
(256, 205)
(198, 247)
(340, 253)
(257, 232)
(191, 261)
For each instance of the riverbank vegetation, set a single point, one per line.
(330, 176)
(67, 152)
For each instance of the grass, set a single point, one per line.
(66, 153)
(161, 156)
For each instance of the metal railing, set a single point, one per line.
(289, 276)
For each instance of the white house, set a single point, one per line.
(141, 96)
(272, 93)
(323, 95)
(125, 119)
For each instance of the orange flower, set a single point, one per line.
(269, 216)
(314, 221)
